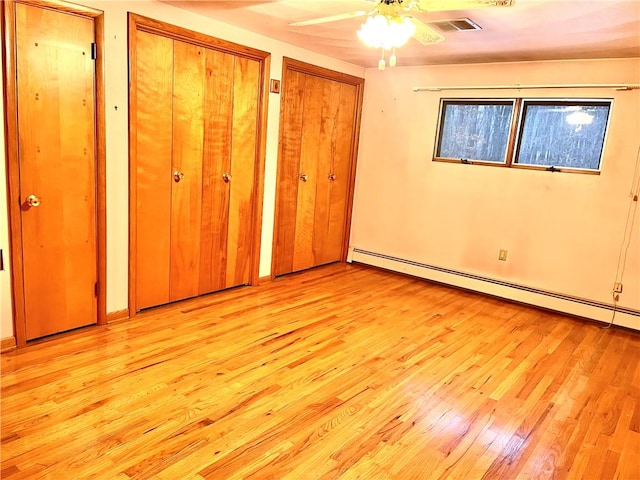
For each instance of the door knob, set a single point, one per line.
(177, 176)
(303, 177)
(226, 177)
(33, 201)
(331, 176)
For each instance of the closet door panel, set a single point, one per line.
(243, 160)
(154, 68)
(322, 251)
(188, 141)
(289, 171)
(342, 140)
(309, 158)
(217, 161)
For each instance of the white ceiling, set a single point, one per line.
(529, 30)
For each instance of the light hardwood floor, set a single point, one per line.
(339, 372)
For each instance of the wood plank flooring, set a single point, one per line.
(340, 372)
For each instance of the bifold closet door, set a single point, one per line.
(230, 141)
(314, 171)
(197, 115)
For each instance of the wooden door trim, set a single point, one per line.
(310, 69)
(11, 145)
(157, 27)
(144, 24)
(290, 64)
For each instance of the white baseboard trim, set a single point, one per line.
(598, 311)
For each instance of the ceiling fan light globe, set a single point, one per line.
(400, 31)
(373, 31)
(382, 32)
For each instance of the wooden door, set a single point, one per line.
(216, 168)
(186, 193)
(196, 118)
(319, 125)
(244, 152)
(153, 109)
(215, 111)
(231, 140)
(57, 165)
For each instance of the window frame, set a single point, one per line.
(560, 102)
(516, 128)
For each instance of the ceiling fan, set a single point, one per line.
(390, 24)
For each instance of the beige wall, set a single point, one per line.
(563, 231)
(117, 136)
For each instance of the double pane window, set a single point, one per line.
(550, 134)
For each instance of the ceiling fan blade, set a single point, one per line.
(425, 35)
(332, 18)
(443, 5)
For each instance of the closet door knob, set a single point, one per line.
(177, 176)
(303, 177)
(226, 177)
(33, 201)
(331, 176)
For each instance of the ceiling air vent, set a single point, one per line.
(457, 25)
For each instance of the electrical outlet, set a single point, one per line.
(502, 255)
(617, 288)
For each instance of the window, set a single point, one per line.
(565, 134)
(475, 130)
(550, 134)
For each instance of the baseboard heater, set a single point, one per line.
(599, 311)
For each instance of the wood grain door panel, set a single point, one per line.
(217, 162)
(208, 117)
(321, 247)
(312, 137)
(57, 161)
(319, 121)
(154, 97)
(342, 145)
(243, 164)
(188, 145)
(288, 171)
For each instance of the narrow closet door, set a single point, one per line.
(288, 171)
(323, 248)
(153, 110)
(339, 170)
(217, 163)
(313, 141)
(246, 86)
(186, 194)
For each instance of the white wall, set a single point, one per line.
(563, 231)
(6, 320)
(116, 86)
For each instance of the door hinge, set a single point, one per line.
(94, 51)
(1, 261)
(96, 289)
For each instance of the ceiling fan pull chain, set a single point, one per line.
(393, 60)
(382, 64)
